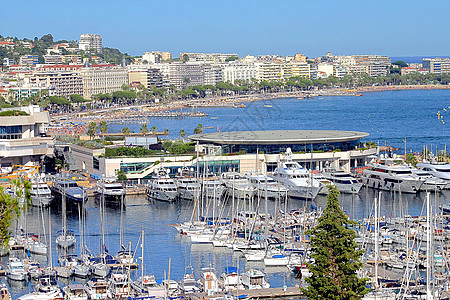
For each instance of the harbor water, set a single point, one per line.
(389, 117)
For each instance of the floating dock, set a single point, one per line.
(278, 293)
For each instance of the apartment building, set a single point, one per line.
(239, 70)
(207, 57)
(437, 65)
(274, 70)
(28, 60)
(156, 56)
(23, 138)
(102, 79)
(71, 59)
(53, 59)
(90, 41)
(61, 83)
(148, 77)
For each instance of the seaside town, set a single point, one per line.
(90, 172)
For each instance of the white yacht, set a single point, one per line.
(208, 281)
(387, 174)
(345, 182)
(162, 187)
(295, 178)
(430, 182)
(267, 186)
(15, 269)
(438, 169)
(324, 182)
(97, 289)
(254, 279)
(189, 188)
(75, 292)
(110, 190)
(237, 185)
(213, 189)
(147, 286)
(119, 286)
(46, 289)
(40, 193)
(230, 280)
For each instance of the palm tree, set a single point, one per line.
(125, 131)
(103, 127)
(92, 128)
(182, 134)
(144, 129)
(166, 132)
(153, 129)
(198, 129)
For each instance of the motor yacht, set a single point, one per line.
(345, 182)
(148, 287)
(237, 185)
(430, 182)
(208, 281)
(97, 289)
(254, 279)
(69, 189)
(75, 292)
(387, 174)
(438, 169)
(230, 280)
(15, 269)
(267, 186)
(162, 187)
(110, 190)
(189, 188)
(213, 189)
(46, 289)
(298, 180)
(40, 193)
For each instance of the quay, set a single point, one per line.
(278, 293)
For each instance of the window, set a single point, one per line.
(11, 132)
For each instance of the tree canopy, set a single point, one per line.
(11, 207)
(333, 248)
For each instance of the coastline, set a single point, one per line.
(76, 123)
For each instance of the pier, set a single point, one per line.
(278, 293)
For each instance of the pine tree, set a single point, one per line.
(336, 258)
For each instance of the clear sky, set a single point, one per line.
(394, 28)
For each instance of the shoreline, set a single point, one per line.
(76, 123)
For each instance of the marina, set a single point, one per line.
(193, 225)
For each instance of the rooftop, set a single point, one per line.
(279, 137)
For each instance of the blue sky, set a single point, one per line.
(394, 28)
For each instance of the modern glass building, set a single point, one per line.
(277, 141)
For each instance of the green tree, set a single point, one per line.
(121, 176)
(182, 134)
(166, 132)
(144, 129)
(153, 130)
(92, 129)
(185, 58)
(103, 127)
(336, 258)
(198, 129)
(11, 207)
(125, 131)
(411, 159)
(77, 98)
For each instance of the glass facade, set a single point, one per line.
(296, 148)
(11, 132)
(219, 166)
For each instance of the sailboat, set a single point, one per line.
(65, 238)
(146, 285)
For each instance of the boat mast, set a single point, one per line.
(376, 241)
(429, 256)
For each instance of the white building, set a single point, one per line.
(102, 79)
(90, 41)
(239, 70)
(23, 138)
